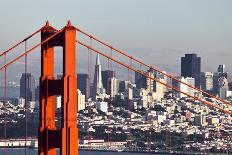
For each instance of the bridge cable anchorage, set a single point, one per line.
(156, 69)
(5, 116)
(210, 104)
(30, 50)
(19, 43)
(26, 100)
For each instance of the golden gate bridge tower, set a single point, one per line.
(65, 138)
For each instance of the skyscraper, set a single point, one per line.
(184, 88)
(221, 68)
(207, 81)
(97, 83)
(113, 86)
(27, 86)
(106, 75)
(223, 87)
(83, 84)
(123, 86)
(191, 67)
(218, 76)
(140, 80)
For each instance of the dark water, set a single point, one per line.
(34, 152)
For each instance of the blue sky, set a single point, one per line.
(173, 27)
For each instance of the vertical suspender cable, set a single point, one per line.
(129, 104)
(147, 131)
(108, 87)
(89, 81)
(110, 100)
(5, 106)
(151, 100)
(130, 101)
(26, 85)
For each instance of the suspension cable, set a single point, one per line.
(89, 83)
(30, 50)
(156, 69)
(26, 97)
(210, 104)
(19, 43)
(5, 115)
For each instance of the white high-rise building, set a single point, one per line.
(191, 81)
(184, 88)
(114, 86)
(80, 100)
(97, 83)
(223, 87)
(207, 81)
(159, 90)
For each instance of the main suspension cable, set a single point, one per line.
(19, 43)
(30, 50)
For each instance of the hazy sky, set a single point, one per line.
(158, 28)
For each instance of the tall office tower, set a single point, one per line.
(207, 81)
(123, 86)
(190, 81)
(97, 83)
(162, 77)
(158, 88)
(140, 81)
(113, 84)
(223, 87)
(221, 71)
(216, 83)
(149, 81)
(191, 67)
(221, 68)
(220, 74)
(83, 84)
(27, 86)
(107, 74)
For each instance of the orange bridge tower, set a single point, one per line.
(66, 136)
